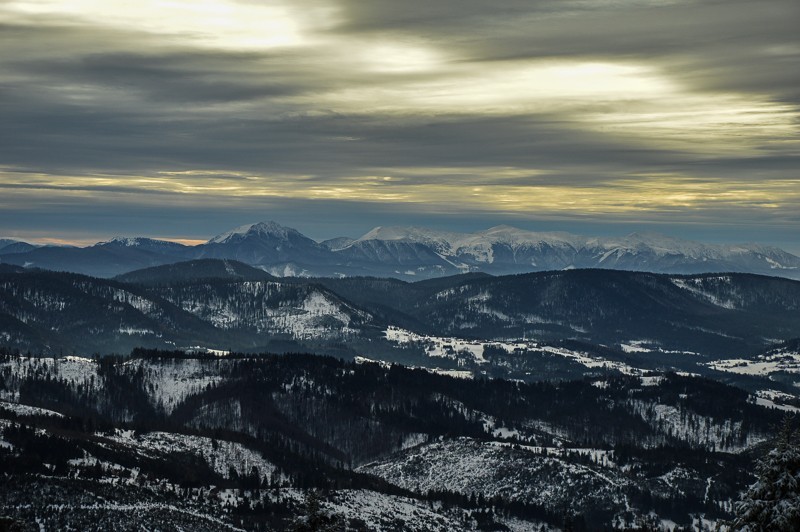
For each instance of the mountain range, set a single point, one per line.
(410, 253)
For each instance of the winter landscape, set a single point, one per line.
(216, 394)
(356, 266)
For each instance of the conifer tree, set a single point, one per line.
(773, 502)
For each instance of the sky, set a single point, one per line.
(182, 119)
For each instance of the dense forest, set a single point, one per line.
(245, 440)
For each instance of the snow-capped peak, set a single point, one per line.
(132, 242)
(505, 234)
(411, 234)
(508, 234)
(272, 229)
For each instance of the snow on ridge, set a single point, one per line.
(261, 228)
(134, 331)
(136, 241)
(636, 346)
(468, 466)
(695, 287)
(73, 369)
(659, 244)
(25, 410)
(221, 455)
(455, 373)
(308, 314)
(416, 234)
(124, 241)
(479, 245)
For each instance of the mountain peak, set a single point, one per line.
(131, 242)
(268, 228)
(124, 241)
(410, 233)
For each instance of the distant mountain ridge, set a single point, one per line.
(413, 253)
(10, 245)
(505, 249)
(194, 271)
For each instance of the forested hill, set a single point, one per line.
(710, 314)
(194, 271)
(222, 305)
(456, 453)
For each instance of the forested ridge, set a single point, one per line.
(624, 445)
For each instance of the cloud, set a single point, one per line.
(607, 110)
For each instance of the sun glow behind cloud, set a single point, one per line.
(212, 23)
(486, 189)
(619, 98)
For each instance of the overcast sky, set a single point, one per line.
(181, 119)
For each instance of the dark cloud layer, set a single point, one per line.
(649, 111)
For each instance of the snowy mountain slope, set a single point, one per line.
(75, 371)
(470, 466)
(169, 384)
(397, 258)
(146, 244)
(302, 311)
(414, 253)
(49, 312)
(491, 250)
(505, 249)
(265, 244)
(335, 244)
(222, 456)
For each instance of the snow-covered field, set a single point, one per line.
(473, 350)
(775, 399)
(786, 361)
(436, 346)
